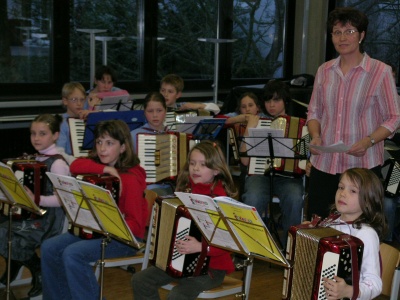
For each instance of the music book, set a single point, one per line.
(13, 193)
(232, 225)
(116, 100)
(133, 118)
(92, 208)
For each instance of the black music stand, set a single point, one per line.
(134, 119)
(269, 143)
(93, 208)
(208, 129)
(234, 226)
(118, 100)
(13, 194)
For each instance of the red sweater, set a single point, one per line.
(219, 259)
(132, 203)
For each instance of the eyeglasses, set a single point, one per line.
(348, 32)
(76, 100)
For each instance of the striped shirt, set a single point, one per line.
(350, 107)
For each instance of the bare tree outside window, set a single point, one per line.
(180, 24)
(25, 41)
(119, 19)
(259, 28)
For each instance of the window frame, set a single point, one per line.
(147, 20)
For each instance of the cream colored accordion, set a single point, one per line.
(316, 253)
(176, 224)
(77, 132)
(162, 155)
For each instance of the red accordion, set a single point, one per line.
(30, 173)
(319, 252)
(108, 182)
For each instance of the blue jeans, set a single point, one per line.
(389, 208)
(66, 272)
(290, 192)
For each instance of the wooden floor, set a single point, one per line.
(265, 285)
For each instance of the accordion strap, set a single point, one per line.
(355, 271)
(202, 257)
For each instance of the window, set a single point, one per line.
(259, 30)
(45, 43)
(113, 25)
(180, 24)
(25, 41)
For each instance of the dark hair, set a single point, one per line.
(250, 95)
(175, 80)
(156, 97)
(53, 121)
(118, 130)
(276, 89)
(349, 15)
(371, 195)
(105, 70)
(215, 160)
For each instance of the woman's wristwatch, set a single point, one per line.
(372, 140)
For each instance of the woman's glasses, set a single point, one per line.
(348, 32)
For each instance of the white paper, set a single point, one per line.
(190, 123)
(72, 201)
(258, 144)
(204, 212)
(334, 148)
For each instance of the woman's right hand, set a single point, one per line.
(316, 142)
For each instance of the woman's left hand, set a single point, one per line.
(360, 148)
(188, 245)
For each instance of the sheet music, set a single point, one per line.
(14, 193)
(115, 101)
(205, 214)
(70, 194)
(243, 232)
(258, 144)
(93, 207)
(337, 147)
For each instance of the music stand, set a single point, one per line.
(270, 143)
(234, 226)
(13, 194)
(208, 129)
(118, 100)
(93, 208)
(133, 118)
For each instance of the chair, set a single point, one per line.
(390, 271)
(124, 262)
